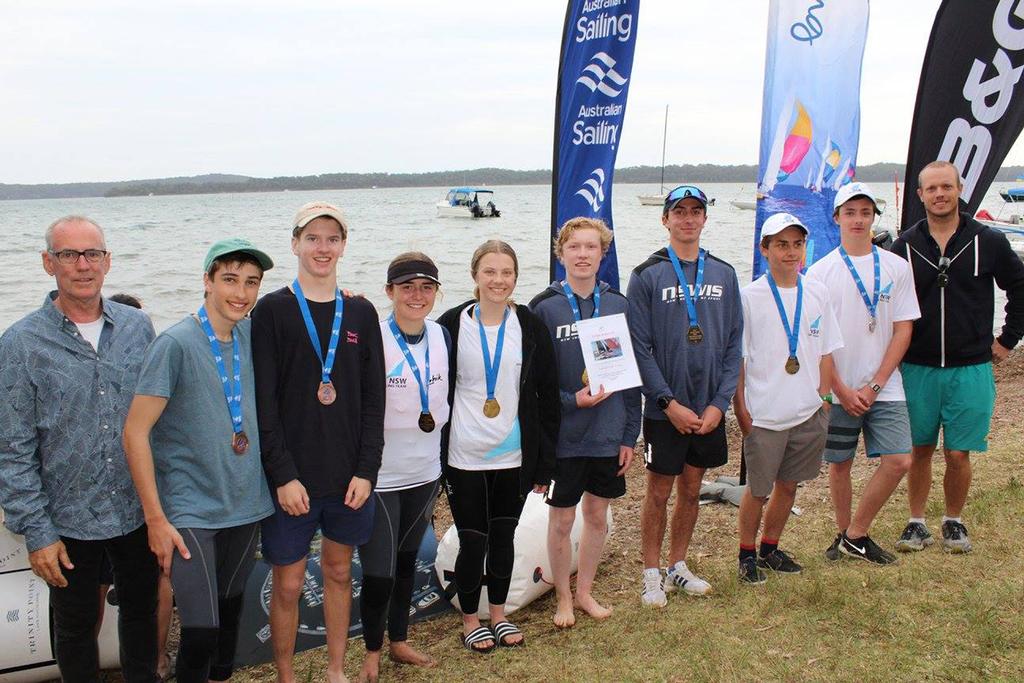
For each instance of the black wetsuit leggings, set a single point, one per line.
(485, 506)
(389, 561)
(208, 592)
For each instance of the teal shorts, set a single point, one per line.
(959, 400)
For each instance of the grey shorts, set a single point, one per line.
(886, 428)
(792, 454)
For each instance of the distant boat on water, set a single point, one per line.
(658, 199)
(468, 202)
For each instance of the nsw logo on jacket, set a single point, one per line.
(707, 293)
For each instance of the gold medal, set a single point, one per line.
(491, 408)
(426, 422)
(240, 443)
(586, 378)
(694, 334)
(792, 365)
(326, 394)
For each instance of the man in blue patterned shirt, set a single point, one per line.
(67, 376)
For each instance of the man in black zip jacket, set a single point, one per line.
(947, 371)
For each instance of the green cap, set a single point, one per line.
(232, 245)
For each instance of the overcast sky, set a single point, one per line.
(104, 90)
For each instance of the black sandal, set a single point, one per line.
(505, 629)
(478, 635)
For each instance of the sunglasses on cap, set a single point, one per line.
(684, 191)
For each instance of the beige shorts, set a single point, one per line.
(792, 454)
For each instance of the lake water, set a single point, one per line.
(158, 243)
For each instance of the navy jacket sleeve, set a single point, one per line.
(639, 297)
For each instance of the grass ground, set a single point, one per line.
(931, 617)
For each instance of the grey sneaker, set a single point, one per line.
(832, 552)
(915, 537)
(954, 537)
(750, 573)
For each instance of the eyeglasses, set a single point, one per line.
(69, 257)
(684, 191)
(943, 279)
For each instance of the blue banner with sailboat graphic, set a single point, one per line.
(810, 117)
(590, 107)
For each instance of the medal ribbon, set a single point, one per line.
(491, 368)
(232, 389)
(574, 305)
(870, 302)
(400, 339)
(792, 333)
(326, 364)
(691, 307)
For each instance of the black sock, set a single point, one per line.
(768, 548)
(747, 552)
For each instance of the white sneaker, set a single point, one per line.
(654, 593)
(680, 576)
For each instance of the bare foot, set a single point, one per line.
(371, 668)
(338, 677)
(403, 653)
(592, 607)
(564, 615)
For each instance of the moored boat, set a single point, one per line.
(468, 202)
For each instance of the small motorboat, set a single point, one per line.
(1013, 229)
(468, 202)
(1013, 194)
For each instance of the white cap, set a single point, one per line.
(779, 222)
(851, 191)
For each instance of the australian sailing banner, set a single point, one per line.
(810, 117)
(590, 106)
(970, 108)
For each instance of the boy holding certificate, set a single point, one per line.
(598, 432)
(789, 335)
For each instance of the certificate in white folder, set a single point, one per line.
(608, 353)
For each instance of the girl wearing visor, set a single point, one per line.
(416, 362)
(500, 444)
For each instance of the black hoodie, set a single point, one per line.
(955, 327)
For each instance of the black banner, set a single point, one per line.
(970, 108)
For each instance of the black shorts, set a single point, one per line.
(596, 476)
(666, 450)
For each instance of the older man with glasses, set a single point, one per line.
(67, 377)
(947, 370)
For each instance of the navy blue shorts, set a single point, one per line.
(286, 538)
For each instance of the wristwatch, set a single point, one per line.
(875, 387)
(664, 401)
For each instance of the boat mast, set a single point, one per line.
(664, 135)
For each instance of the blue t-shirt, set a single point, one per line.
(202, 482)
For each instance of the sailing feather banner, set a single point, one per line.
(810, 117)
(970, 108)
(590, 107)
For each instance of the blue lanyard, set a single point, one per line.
(872, 301)
(397, 332)
(327, 364)
(574, 305)
(491, 368)
(691, 307)
(232, 389)
(792, 333)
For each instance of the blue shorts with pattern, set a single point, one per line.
(886, 428)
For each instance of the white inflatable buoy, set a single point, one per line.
(531, 570)
(26, 651)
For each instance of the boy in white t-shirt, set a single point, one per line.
(875, 303)
(782, 400)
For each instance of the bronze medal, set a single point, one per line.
(240, 443)
(792, 365)
(326, 394)
(426, 422)
(491, 408)
(694, 334)
(586, 378)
